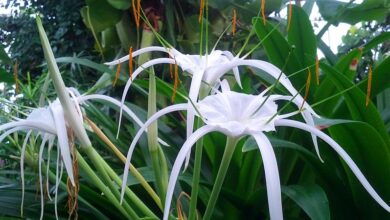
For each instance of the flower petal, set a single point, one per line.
(62, 137)
(184, 150)
(347, 159)
(137, 53)
(271, 176)
(115, 102)
(154, 117)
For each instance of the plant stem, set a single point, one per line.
(158, 159)
(132, 169)
(197, 165)
(226, 158)
(107, 192)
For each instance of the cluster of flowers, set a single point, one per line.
(234, 114)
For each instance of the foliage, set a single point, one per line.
(107, 29)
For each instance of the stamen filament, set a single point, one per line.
(369, 82)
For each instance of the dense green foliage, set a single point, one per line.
(83, 35)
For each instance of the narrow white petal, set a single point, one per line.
(115, 102)
(193, 96)
(62, 137)
(10, 131)
(135, 74)
(137, 53)
(271, 176)
(40, 160)
(154, 117)
(40, 126)
(347, 159)
(236, 73)
(179, 162)
(22, 154)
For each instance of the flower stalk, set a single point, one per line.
(226, 158)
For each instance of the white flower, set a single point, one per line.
(209, 69)
(238, 115)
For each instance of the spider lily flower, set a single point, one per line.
(238, 115)
(49, 123)
(209, 69)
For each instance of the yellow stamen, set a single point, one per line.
(118, 70)
(307, 87)
(318, 71)
(369, 85)
(289, 15)
(16, 65)
(201, 11)
(234, 22)
(175, 83)
(263, 11)
(138, 11)
(131, 63)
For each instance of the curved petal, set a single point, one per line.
(236, 73)
(127, 110)
(135, 74)
(137, 53)
(347, 159)
(271, 176)
(62, 138)
(184, 150)
(10, 131)
(154, 117)
(40, 126)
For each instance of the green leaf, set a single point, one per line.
(380, 78)
(311, 198)
(4, 58)
(355, 100)
(278, 50)
(372, 155)
(6, 77)
(301, 35)
(99, 15)
(369, 10)
(328, 88)
(381, 38)
(120, 4)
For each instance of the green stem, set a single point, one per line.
(102, 186)
(197, 166)
(226, 158)
(158, 159)
(133, 197)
